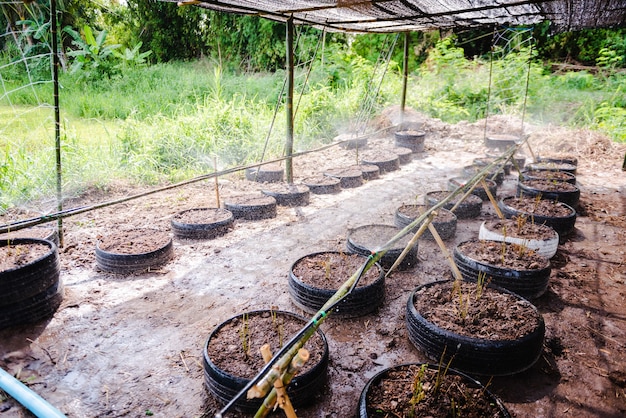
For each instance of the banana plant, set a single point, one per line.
(91, 56)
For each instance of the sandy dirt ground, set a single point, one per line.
(131, 345)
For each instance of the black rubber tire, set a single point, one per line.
(495, 175)
(322, 184)
(412, 139)
(446, 229)
(302, 389)
(485, 161)
(386, 161)
(47, 233)
(501, 142)
(369, 171)
(469, 381)
(24, 282)
(571, 160)
(474, 356)
(569, 197)
(128, 263)
(405, 155)
(457, 182)
(351, 141)
(269, 173)
(33, 309)
(362, 301)
(548, 175)
(207, 230)
(468, 209)
(385, 232)
(529, 284)
(569, 168)
(289, 194)
(564, 226)
(348, 177)
(252, 208)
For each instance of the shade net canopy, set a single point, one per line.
(382, 16)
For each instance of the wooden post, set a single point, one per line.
(405, 74)
(289, 139)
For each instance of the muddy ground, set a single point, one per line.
(130, 345)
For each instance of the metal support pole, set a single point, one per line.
(405, 74)
(289, 139)
(57, 116)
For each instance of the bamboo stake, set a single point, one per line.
(492, 199)
(467, 193)
(446, 253)
(411, 243)
(217, 188)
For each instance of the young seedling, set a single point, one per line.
(418, 389)
(278, 326)
(244, 335)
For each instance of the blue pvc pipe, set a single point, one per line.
(35, 403)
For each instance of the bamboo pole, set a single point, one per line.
(290, 65)
(492, 199)
(411, 243)
(57, 116)
(446, 253)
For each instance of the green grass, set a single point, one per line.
(170, 122)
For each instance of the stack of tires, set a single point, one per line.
(29, 291)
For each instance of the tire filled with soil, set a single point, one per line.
(479, 190)
(349, 177)
(557, 215)
(484, 331)
(469, 208)
(252, 207)
(202, 223)
(316, 277)
(385, 160)
(548, 176)
(321, 184)
(134, 250)
(559, 191)
(427, 390)
(231, 357)
(268, 173)
(288, 194)
(411, 139)
(541, 238)
(444, 222)
(368, 238)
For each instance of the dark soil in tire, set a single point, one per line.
(444, 222)
(316, 277)
(503, 264)
(548, 175)
(386, 161)
(485, 161)
(368, 238)
(288, 194)
(495, 332)
(349, 177)
(48, 233)
(368, 171)
(405, 155)
(467, 209)
(252, 207)
(501, 142)
(496, 175)
(559, 191)
(558, 159)
(202, 223)
(569, 168)
(134, 250)
(351, 141)
(231, 356)
(558, 215)
(321, 184)
(442, 392)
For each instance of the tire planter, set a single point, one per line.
(321, 184)
(475, 355)
(367, 238)
(364, 299)
(528, 283)
(459, 182)
(288, 194)
(252, 208)
(47, 233)
(496, 175)
(32, 309)
(569, 168)
(550, 190)
(445, 221)
(30, 287)
(30, 276)
(564, 159)
(541, 212)
(134, 250)
(468, 209)
(507, 230)
(485, 161)
(225, 384)
(405, 155)
(548, 175)
(385, 160)
(369, 171)
(269, 173)
(501, 142)
(412, 139)
(351, 141)
(202, 223)
(348, 177)
(457, 388)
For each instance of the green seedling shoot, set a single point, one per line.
(244, 334)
